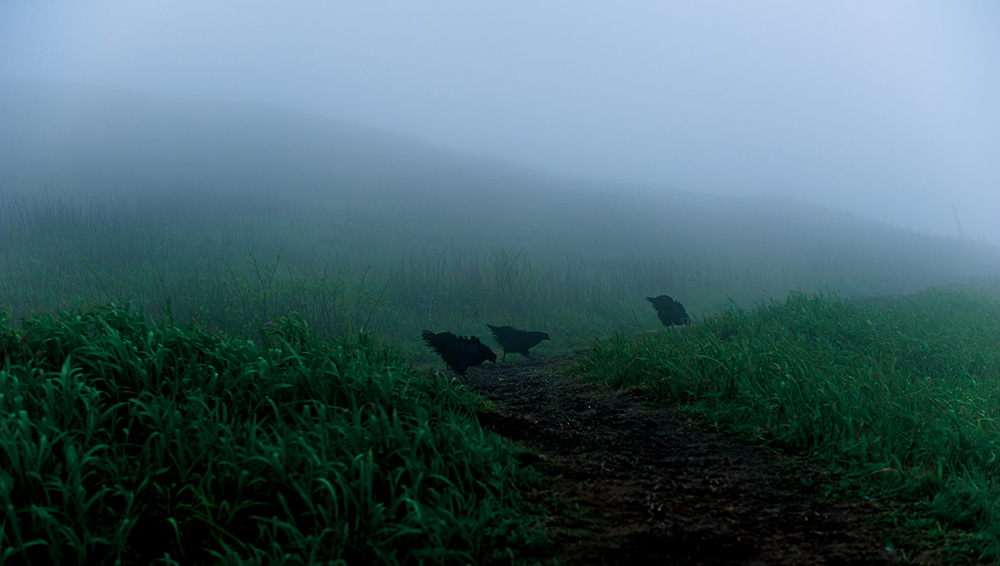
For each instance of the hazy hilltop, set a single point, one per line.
(106, 139)
(327, 192)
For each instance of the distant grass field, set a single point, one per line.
(904, 398)
(233, 262)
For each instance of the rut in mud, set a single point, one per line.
(653, 490)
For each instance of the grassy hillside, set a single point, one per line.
(238, 213)
(209, 216)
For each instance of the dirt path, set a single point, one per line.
(658, 491)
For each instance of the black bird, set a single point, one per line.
(671, 312)
(459, 352)
(517, 341)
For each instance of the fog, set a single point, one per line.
(885, 109)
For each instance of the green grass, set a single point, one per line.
(132, 443)
(904, 398)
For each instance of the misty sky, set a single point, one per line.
(887, 108)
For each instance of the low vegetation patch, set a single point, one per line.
(123, 441)
(904, 397)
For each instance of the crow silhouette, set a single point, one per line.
(517, 341)
(459, 352)
(670, 311)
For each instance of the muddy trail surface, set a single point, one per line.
(654, 490)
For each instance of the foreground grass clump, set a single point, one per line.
(124, 441)
(906, 397)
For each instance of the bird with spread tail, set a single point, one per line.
(459, 352)
(670, 311)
